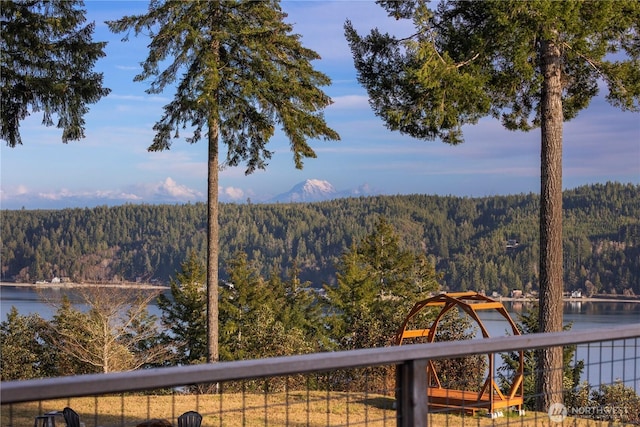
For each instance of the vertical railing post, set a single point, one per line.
(411, 386)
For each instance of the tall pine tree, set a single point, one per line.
(238, 71)
(531, 64)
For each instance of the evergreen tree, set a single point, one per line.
(242, 303)
(65, 330)
(377, 284)
(46, 62)
(240, 72)
(24, 355)
(297, 308)
(184, 314)
(532, 64)
(266, 318)
(350, 304)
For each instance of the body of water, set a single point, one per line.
(43, 300)
(604, 362)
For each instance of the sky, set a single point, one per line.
(112, 166)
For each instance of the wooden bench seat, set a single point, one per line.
(469, 401)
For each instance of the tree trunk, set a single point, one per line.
(212, 243)
(549, 361)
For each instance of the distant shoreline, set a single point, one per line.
(71, 285)
(604, 298)
(133, 285)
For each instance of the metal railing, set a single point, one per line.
(409, 401)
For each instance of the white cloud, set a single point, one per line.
(7, 194)
(65, 194)
(350, 102)
(233, 193)
(117, 195)
(170, 188)
(21, 189)
(167, 191)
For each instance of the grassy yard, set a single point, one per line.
(313, 409)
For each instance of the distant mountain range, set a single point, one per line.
(317, 190)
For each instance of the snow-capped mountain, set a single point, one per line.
(317, 190)
(311, 190)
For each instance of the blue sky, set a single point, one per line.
(112, 166)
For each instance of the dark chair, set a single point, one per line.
(71, 417)
(190, 419)
(48, 419)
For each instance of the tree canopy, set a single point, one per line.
(467, 60)
(239, 64)
(46, 65)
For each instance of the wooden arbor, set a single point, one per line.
(490, 397)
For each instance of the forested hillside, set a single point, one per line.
(488, 243)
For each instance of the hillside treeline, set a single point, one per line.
(485, 243)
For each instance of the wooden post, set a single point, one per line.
(412, 393)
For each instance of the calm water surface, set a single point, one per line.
(32, 300)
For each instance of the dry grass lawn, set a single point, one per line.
(313, 409)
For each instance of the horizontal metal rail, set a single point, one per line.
(149, 379)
